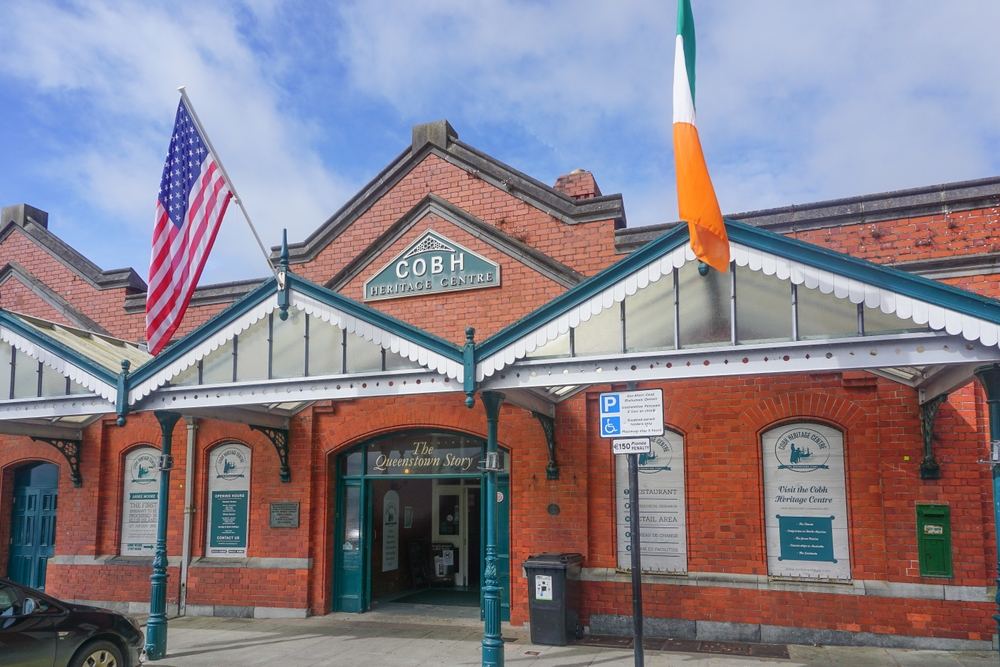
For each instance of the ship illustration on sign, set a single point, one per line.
(794, 450)
(230, 464)
(144, 469)
(659, 456)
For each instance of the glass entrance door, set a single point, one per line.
(434, 478)
(33, 523)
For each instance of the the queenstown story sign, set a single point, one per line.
(431, 264)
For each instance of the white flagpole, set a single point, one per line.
(236, 197)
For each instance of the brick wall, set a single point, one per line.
(720, 419)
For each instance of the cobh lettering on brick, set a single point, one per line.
(433, 263)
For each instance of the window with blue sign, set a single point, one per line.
(805, 502)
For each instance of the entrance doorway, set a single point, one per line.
(33, 523)
(410, 522)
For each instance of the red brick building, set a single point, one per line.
(305, 476)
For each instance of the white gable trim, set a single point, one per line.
(60, 365)
(213, 343)
(310, 306)
(389, 341)
(907, 308)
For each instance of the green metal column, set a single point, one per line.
(492, 639)
(989, 376)
(156, 626)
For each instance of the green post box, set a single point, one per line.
(934, 540)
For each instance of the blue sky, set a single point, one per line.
(305, 102)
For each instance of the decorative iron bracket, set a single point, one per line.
(929, 467)
(549, 426)
(278, 438)
(71, 450)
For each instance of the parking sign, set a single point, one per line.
(631, 413)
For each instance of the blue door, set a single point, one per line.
(33, 523)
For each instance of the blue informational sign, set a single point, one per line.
(806, 538)
(631, 414)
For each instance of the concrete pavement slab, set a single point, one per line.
(398, 639)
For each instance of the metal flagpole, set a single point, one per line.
(225, 175)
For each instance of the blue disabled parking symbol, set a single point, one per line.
(611, 421)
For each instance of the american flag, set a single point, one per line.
(193, 198)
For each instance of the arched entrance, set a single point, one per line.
(411, 520)
(33, 523)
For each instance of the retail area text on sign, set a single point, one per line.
(631, 413)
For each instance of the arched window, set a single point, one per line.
(228, 501)
(662, 511)
(140, 501)
(805, 502)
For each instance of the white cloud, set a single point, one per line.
(120, 64)
(797, 101)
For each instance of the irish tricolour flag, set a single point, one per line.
(696, 200)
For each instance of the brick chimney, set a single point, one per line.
(22, 214)
(578, 184)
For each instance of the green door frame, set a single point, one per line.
(342, 601)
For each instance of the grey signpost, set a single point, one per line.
(629, 418)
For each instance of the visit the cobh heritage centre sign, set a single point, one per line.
(431, 264)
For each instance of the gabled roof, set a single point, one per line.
(927, 200)
(90, 359)
(374, 326)
(33, 223)
(50, 296)
(441, 140)
(940, 306)
(522, 252)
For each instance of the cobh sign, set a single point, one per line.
(431, 264)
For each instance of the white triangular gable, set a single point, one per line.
(353, 325)
(60, 365)
(922, 313)
(389, 341)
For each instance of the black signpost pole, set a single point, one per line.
(633, 493)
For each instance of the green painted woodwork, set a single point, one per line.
(33, 523)
(349, 581)
(934, 540)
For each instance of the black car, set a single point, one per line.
(39, 631)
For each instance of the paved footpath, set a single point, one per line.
(400, 639)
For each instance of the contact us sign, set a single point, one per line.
(805, 495)
(431, 264)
